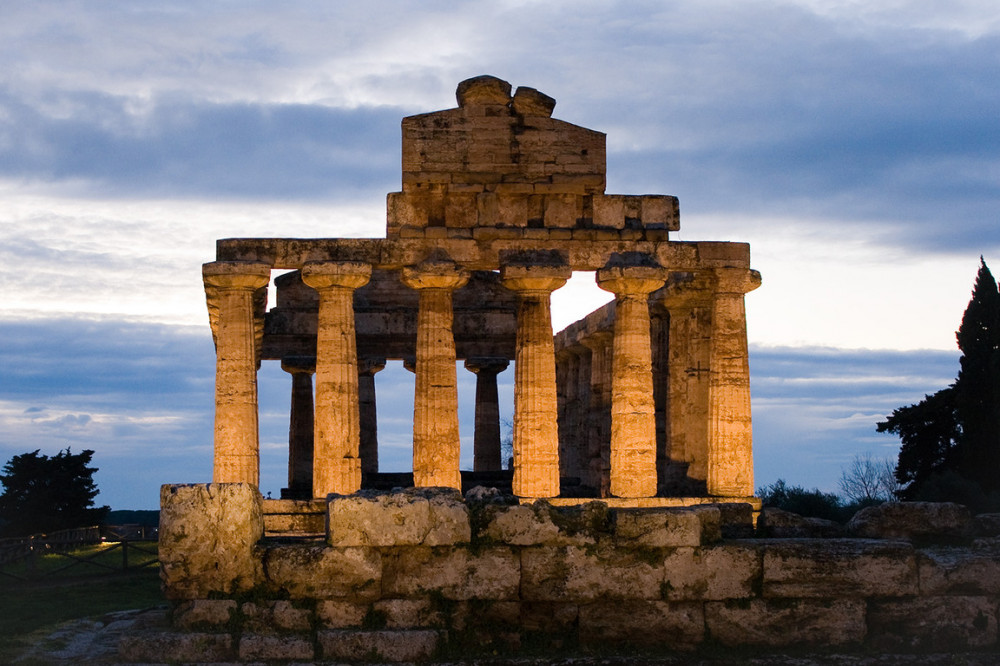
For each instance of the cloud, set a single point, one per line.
(195, 148)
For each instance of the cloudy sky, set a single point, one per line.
(855, 145)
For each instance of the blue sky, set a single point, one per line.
(856, 146)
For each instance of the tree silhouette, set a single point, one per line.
(951, 439)
(43, 493)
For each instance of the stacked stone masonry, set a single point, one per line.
(427, 573)
(500, 204)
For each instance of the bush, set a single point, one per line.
(813, 503)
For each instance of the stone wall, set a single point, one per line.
(424, 572)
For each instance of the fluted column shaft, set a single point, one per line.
(536, 430)
(367, 406)
(230, 289)
(336, 462)
(486, 442)
(689, 305)
(300, 423)
(599, 411)
(436, 442)
(730, 446)
(633, 413)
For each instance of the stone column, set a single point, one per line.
(536, 434)
(730, 444)
(572, 412)
(688, 303)
(367, 367)
(336, 465)
(486, 449)
(230, 289)
(300, 425)
(436, 443)
(599, 411)
(633, 414)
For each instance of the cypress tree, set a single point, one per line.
(977, 388)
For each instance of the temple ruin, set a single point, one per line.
(628, 520)
(644, 402)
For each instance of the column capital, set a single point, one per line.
(250, 275)
(434, 275)
(735, 280)
(534, 277)
(297, 364)
(329, 274)
(489, 364)
(369, 365)
(631, 280)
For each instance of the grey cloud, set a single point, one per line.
(195, 148)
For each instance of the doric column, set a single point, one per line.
(336, 465)
(633, 416)
(367, 367)
(486, 447)
(730, 445)
(688, 303)
(572, 412)
(300, 424)
(231, 289)
(536, 434)
(436, 443)
(599, 411)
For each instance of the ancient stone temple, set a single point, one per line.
(627, 520)
(647, 397)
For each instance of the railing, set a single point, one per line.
(20, 557)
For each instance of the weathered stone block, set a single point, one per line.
(986, 524)
(562, 210)
(418, 645)
(919, 521)
(491, 616)
(412, 517)
(673, 625)
(207, 537)
(549, 617)
(461, 210)
(529, 525)
(725, 571)
(579, 574)
(779, 524)
(660, 211)
(657, 528)
(933, 624)
(287, 617)
(408, 613)
(180, 646)
(203, 613)
(946, 570)
(838, 568)
(323, 572)
(711, 523)
(270, 646)
(793, 622)
(512, 210)
(454, 573)
(341, 614)
(403, 210)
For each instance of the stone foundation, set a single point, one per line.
(424, 573)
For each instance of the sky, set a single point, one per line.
(854, 145)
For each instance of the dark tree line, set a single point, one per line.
(47, 493)
(951, 439)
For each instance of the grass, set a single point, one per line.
(85, 590)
